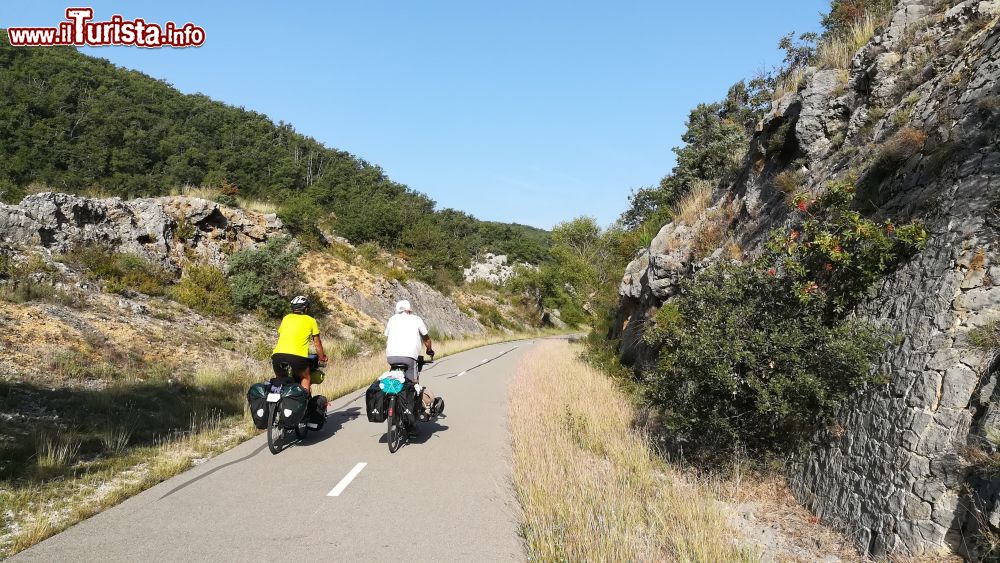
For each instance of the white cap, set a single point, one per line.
(402, 306)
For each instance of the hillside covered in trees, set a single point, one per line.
(78, 124)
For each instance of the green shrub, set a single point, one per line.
(759, 354)
(301, 217)
(350, 349)
(120, 271)
(204, 288)
(184, 231)
(745, 362)
(33, 279)
(490, 316)
(776, 142)
(265, 279)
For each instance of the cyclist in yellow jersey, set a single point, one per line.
(296, 331)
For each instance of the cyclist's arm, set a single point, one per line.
(427, 342)
(318, 342)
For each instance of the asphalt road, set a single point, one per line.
(446, 496)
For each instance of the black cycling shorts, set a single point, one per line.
(298, 365)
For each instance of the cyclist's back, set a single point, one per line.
(296, 331)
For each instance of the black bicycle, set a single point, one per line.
(291, 409)
(403, 402)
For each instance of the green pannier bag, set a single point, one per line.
(257, 398)
(293, 404)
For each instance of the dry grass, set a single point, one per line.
(905, 143)
(202, 192)
(788, 83)
(691, 207)
(214, 193)
(789, 181)
(257, 206)
(590, 488)
(763, 501)
(43, 510)
(838, 51)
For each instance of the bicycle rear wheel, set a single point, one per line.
(395, 433)
(274, 432)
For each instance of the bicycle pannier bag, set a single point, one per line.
(294, 400)
(257, 397)
(375, 403)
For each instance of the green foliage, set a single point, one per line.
(265, 279)
(744, 361)
(583, 261)
(120, 271)
(490, 316)
(301, 217)
(777, 141)
(204, 288)
(759, 354)
(837, 254)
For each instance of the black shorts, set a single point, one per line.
(298, 365)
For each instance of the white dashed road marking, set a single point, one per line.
(335, 492)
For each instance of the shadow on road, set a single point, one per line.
(426, 431)
(207, 473)
(334, 422)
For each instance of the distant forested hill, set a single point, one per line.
(77, 123)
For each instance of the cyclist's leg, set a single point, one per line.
(300, 370)
(278, 365)
(428, 398)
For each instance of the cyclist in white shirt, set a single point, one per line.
(404, 334)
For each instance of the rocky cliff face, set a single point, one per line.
(159, 229)
(172, 231)
(892, 471)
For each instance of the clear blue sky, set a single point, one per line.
(533, 112)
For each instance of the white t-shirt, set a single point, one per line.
(403, 335)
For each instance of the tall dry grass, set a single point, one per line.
(788, 83)
(838, 50)
(590, 488)
(691, 207)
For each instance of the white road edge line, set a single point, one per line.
(461, 374)
(335, 492)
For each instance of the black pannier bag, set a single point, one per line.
(376, 403)
(257, 397)
(407, 400)
(293, 404)
(317, 411)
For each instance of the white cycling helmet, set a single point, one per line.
(403, 306)
(300, 303)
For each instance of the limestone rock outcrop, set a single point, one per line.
(160, 229)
